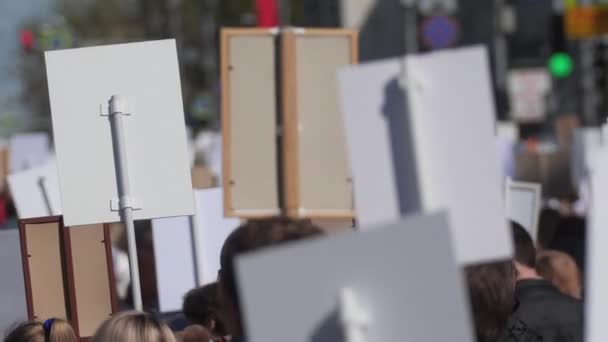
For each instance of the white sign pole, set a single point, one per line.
(117, 108)
(353, 318)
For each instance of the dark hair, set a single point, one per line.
(525, 253)
(257, 234)
(491, 293)
(201, 306)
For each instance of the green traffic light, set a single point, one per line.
(560, 65)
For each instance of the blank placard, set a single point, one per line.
(523, 201)
(173, 246)
(213, 230)
(29, 150)
(249, 115)
(596, 296)
(93, 282)
(317, 175)
(44, 271)
(421, 137)
(35, 191)
(146, 75)
(12, 289)
(291, 293)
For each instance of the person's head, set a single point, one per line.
(525, 252)
(194, 333)
(201, 306)
(251, 236)
(133, 326)
(492, 297)
(561, 270)
(52, 330)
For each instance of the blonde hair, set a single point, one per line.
(133, 326)
(59, 330)
(560, 269)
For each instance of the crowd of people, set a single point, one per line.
(536, 296)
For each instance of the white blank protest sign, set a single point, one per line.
(523, 202)
(586, 143)
(596, 301)
(35, 191)
(173, 246)
(173, 254)
(12, 288)
(28, 150)
(146, 75)
(213, 230)
(291, 293)
(432, 149)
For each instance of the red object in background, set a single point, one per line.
(3, 213)
(27, 40)
(267, 12)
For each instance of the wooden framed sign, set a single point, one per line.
(249, 122)
(316, 172)
(68, 272)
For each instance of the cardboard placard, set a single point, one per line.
(249, 123)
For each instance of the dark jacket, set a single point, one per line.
(545, 310)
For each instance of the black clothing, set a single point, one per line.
(544, 309)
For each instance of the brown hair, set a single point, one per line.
(257, 234)
(491, 293)
(560, 269)
(133, 326)
(201, 306)
(53, 330)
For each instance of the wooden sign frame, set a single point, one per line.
(227, 132)
(67, 270)
(291, 121)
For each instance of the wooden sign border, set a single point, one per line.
(289, 113)
(67, 269)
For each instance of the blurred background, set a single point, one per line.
(548, 62)
(548, 56)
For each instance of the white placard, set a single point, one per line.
(443, 151)
(35, 191)
(213, 230)
(596, 301)
(174, 258)
(28, 150)
(586, 143)
(523, 204)
(378, 266)
(146, 75)
(174, 249)
(528, 89)
(13, 307)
